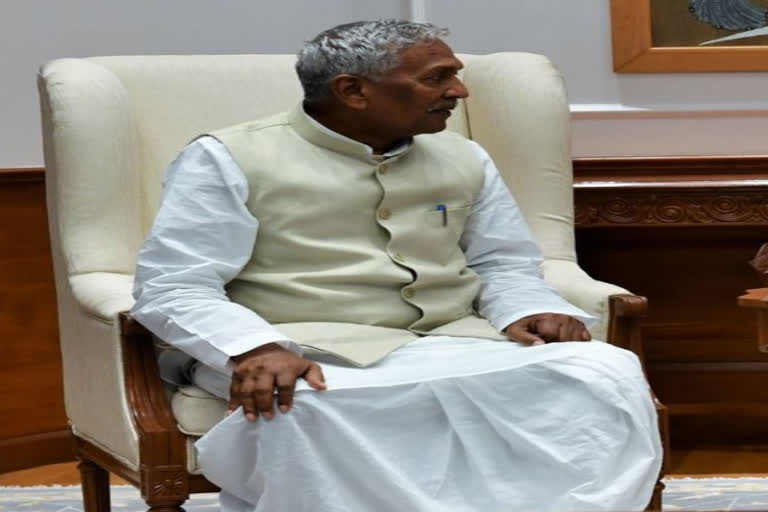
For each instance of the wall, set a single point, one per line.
(34, 31)
(614, 114)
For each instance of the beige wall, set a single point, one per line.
(34, 31)
(616, 114)
(657, 114)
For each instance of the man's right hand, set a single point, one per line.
(260, 371)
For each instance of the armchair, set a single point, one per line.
(111, 125)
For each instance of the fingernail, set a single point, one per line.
(284, 408)
(229, 412)
(538, 342)
(268, 415)
(251, 417)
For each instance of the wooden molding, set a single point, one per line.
(670, 168)
(633, 50)
(36, 450)
(23, 174)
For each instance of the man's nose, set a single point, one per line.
(457, 89)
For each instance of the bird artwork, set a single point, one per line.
(741, 15)
(730, 14)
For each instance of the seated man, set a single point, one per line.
(361, 286)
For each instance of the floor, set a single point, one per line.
(745, 460)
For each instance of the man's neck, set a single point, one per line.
(351, 127)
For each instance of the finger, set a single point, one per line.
(249, 406)
(314, 376)
(234, 400)
(233, 404)
(585, 335)
(547, 328)
(286, 385)
(264, 395)
(523, 336)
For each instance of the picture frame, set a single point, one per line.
(635, 52)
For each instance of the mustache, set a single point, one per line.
(444, 106)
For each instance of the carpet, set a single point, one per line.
(681, 494)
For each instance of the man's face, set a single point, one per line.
(418, 95)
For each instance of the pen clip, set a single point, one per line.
(441, 208)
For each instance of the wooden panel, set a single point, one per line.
(30, 369)
(680, 231)
(36, 450)
(691, 265)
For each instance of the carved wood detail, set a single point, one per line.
(683, 207)
(671, 191)
(166, 482)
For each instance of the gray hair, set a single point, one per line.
(364, 48)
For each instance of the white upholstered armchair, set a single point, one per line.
(111, 125)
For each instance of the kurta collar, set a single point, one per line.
(320, 135)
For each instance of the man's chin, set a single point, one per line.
(436, 124)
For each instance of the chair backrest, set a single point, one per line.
(112, 125)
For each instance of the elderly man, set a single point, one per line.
(343, 274)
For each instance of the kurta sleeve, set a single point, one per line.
(201, 239)
(499, 247)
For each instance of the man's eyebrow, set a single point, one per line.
(444, 67)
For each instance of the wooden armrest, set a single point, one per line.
(129, 326)
(624, 330)
(161, 444)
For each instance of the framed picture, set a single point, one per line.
(672, 36)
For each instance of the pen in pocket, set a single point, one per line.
(441, 208)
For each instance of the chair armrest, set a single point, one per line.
(102, 294)
(103, 298)
(578, 288)
(161, 443)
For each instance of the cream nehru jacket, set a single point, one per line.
(356, 254)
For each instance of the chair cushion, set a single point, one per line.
(197, 411)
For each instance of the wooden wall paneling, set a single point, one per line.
(34, 428)
(677, 230)
(680, 231)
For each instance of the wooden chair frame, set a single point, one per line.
(163, 478)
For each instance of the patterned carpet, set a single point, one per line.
(681, 494)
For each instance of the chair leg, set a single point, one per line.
(95, 485)
(655, 503)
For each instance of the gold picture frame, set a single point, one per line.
(634, 51)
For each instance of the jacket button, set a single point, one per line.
(385, 213)
(399, 257)
(383, 169)
(408, 293)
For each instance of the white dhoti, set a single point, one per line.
(448, 424)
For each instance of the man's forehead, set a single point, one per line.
(431, 54)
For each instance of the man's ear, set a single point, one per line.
(350, 90)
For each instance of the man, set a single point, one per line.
(340, 272)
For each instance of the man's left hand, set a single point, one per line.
(547, 328)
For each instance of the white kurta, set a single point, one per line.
(441, 424)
